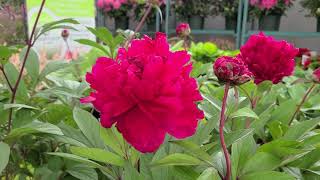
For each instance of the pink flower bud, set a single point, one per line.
(316, 75)
(183, 30)
(232, 70)
(65, 34)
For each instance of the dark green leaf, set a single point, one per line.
(261, 161)
(267, 175)
(298, 130)
(83, 172)
(32, 63)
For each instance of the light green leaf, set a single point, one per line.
(112, 140)
(298, 130)
(4, 155)
(98, 155)
(51, 67)
(284, 112)
(193, 150)
(267, 175)
(261, 161)
(32, 63)
(130, 173)
(176, 159)
(89, 126)
(244, 112)
(209, 174)
(94, 44)
(12, 73)
(19, 106)
(281, 148)
(308, 160)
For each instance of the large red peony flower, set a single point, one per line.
(232, 70)
(268, 59)
(147, 92)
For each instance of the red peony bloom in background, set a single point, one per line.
(231, 69)
(183, 30)
(147, 92)
(316, 75)
(303, 51)
(268, 59)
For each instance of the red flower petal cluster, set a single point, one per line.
(268, 59)
(232, 70)
(183, 30)
(303, 51)
(147, 92)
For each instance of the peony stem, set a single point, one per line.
(302, 102)
(29, 46)
(221, 133)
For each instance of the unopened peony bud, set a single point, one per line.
(316, 75)
(232, 70)
(183, 30)
(65, 34)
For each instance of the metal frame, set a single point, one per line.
(245, 33)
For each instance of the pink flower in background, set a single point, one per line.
(183, 30)
(303, 51)
(108, 5)
(231, 69)
(268, 59)
(147, 92)
(264, 4)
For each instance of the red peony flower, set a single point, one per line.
(306, 61)
(147, 92)
(268, 59)
(316, 75)
(183, 30)
(231, 69)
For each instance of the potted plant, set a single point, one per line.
(269, 12)
(117, 9)
(151, 20)
(195, 11)
(314, 8)
(229, 9)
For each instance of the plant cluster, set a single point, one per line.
(273, 7)
(188, 8)
(134, 109)
(313, 6)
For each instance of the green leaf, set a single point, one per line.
(32, 63)
(233, 137)
(184, 172)
(94, 44)
(62, 21)
(209, 173)
(267, 175)
(89, 126)
(284, 112)
(103, 34)
(307, 160)
(244, 112)
(193, 150)
(77, 158)
(109, 137)
(241, 151)
(83, 172)
(264, 86)
(35, 127)
(281, 148)
(298, 130)
(176, 159)
(19, 106)
(130, 173)
(51, 67)
(5, 54)
(12, 73)
(98, 155)
(261, 161)
(4, 155)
